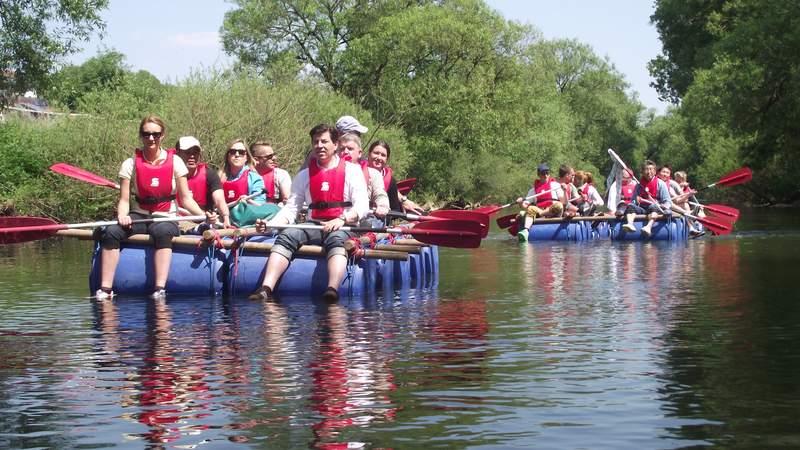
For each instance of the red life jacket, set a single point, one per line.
(235, 189)
(327, 190)
(198, 186)
(387, 177)
(154, 183)
(273, 195)
(626, 191)
(585, 191)
(545, 200)
(650, 188)
(365, 171)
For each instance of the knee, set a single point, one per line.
(111, 236)
(162, 234)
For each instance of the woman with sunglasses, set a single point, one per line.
(277, 181)
(378, 159)
(150, 183)
(238, 181)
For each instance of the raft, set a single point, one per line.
(578, 229)
(237, 268)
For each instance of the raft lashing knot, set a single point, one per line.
(358, 251)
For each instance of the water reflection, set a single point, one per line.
(661, 345)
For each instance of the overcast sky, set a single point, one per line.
(169, 38)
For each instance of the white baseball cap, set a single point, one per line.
(347, 124)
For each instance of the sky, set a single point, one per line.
(170, 38)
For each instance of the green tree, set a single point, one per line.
(36, 34)
(313, 33)
(105, 71)
(744, 84)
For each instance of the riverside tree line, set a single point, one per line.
(471, 102)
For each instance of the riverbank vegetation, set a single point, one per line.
(470, 101)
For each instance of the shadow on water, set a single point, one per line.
(601, 345)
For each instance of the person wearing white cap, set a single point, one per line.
(349, 124)
(204, 183)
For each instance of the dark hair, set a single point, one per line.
(563, 170)
(260, 144)
(665, 166)
(322, 128)
(646, 163)
(383, 144)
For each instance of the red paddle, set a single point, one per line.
(28, 229)
(444, 232)
(83, 175)
(507, 221)
(720, 210)
(405, 186)
(717, 225)
(493, 209)
(451, 214)
(738, 176)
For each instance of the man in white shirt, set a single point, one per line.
(336, 193)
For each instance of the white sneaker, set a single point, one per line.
(159, 294)
(646, 231)
(103, 295)
(629, 228)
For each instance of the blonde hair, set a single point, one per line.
(153, 119)
(581, 177)
(679, 176)
(226, 168)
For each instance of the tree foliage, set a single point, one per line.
(36, 34)
(734, 67)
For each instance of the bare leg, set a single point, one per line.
(276, 266)
(629, 218)
(337, 264)
(162, 260)
(108, 266)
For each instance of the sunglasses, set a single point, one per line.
(151, 134)
(237, 152)
(264, 157)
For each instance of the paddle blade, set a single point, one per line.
(736, 177)
(506, 221)
(83, 175)
(489, 210)
(448, 233)
(24, 221)
(15, 230)
(716, 226)
(459, 214)
(723, 211)
(405, 186)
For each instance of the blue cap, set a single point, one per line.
(543, 168)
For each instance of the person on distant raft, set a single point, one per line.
(546, 200)
(349, 148)
(682, 201)
(674, 189)
(627, 187)
(589, 198)
(651, 197)
(203, 182)
(378, 159)
(336, 194)
(566, 177)
(150, 182)
(277, 181)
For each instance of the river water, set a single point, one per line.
(598, 345)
